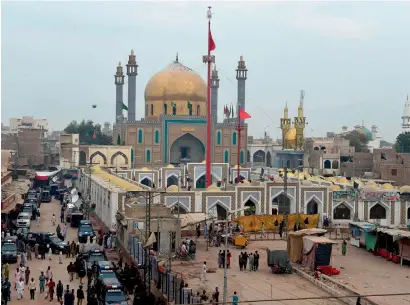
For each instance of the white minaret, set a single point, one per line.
(406, 116)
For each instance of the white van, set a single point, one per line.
(24, 220)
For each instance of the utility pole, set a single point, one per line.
(285, 192)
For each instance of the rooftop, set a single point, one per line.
(113, 180)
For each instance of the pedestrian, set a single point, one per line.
(344, 247)
(6, 271)
(80, 295)
(32, 287)
(73, 249)
(68, 297)
(65, 229)
(235, 299)
(49, 273)
(73, 294)
(50, 252)
(42, 281)
(29, 258)
(62, 216)
(220, 259)
(8, 285)
(59, 291)
(228, 259)
(109, 239)
(77, 248)
(27, 275)
(240, 260)
(36, 250)
(20, 288)
(215, 295)
(53, 219)
(38, 217)
(203, 276)
(51, 286)
(71, 270)
(16, 277)
(18, 259)
(81, 273)
(23, 258)
(60, 257)
(58, 231)
(263, 230)
(250, 262)
(256, 260)
(245, 260)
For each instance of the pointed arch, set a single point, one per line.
(343, 211)
(283, 202)
(312, 206)
(119, 153)
(234, 138)
(226, 156)
(177, 205)
(242, 157)
(172, 180)
(98, 153)
(251, 204)
(378, 211)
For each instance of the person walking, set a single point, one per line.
(59, 291)
(27, 275)
(68, 297)
(235, 299)
(344, 247)
(42, 281)
(6, 271)
(62, 216)
(65, 229)
(60, 257)
(29, 258)
(20, 289)
(49, 273)
(71, 271)
(38, 217)
(32, 287)
(203, 276)
(80, 295)
(256, 260)
(36, 250)
(263, 230)
(53, 219)
(250, 261)
(50, 253)
(16, 277)
(51, 286)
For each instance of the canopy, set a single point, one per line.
(365, 226)
(310, 241)
(295, 242)
(397, 234)
(192, 218)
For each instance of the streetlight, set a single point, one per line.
(225, 295)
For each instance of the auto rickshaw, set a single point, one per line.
(240, 240)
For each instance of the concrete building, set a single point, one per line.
(389, 165)
(174, 127)
(27, 122)
(262, 152)
(406, 116)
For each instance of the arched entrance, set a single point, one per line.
(119, 158)
(378, 212)
(259, 157)
(147, 182)
(98, 157)
(283, 203)
(82, 158)
(312, 207)
(221, 212)
(187, 149)
(251, 208)
(201, 182)
(341, 212)
(268, 159)
(172, 180)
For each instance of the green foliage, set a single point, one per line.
(403, 142)
(86, 130)
(358, 140)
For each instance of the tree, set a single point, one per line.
(403, 142)
(358, 140)
(89, 133)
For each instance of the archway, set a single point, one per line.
(147, 182)
(172, 180)
(221, 212)
(341, 212)
(114, 158)
(201, 182)
(82, 158)
(312, 207)
(187, 148)
(283, 203)
(378, 212)
(98, 155)
(327, 164)
(268, 159)
(335, 164)
(251, 208)
(259, 157)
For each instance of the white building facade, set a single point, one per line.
(406, 116)
(27, 122)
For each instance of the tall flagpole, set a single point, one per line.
(239, 127)
(208, 120)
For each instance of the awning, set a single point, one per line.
(397, 234)
(192, 219)
(9, 208)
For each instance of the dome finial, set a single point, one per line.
(176, 58)
(132, 52)
(119, 64)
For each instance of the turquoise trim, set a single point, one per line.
(234, 138)
(140, 136)
(148, 157)
(242, 157)
(166, 122)
(226, 156)
(218, 138)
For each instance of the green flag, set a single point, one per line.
(173, 104)
(189, 105)
(124, 107)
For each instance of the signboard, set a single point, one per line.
(138, 225)
(344, 195)
(187, 129)
(376, 196)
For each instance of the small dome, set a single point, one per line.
(307, 182)
(236, 166)
(213, 188)
(387, 186)
(334, 188)
(291, 135)
(203, 162)
(172, 188)
(371, 183)
(145, 169)
(343, 180)
(370, 189)
(330, 179)
(405, 189)
(245, 182)
(170, 166)
(290, 175)
(281, 170)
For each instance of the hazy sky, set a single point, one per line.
(351, 58)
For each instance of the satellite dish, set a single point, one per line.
(74, 198)
(55, 178)
(74, 192)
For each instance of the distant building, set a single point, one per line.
(27, 122)
(107, 130)
(406, 116)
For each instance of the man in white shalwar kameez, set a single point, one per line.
(20, 289)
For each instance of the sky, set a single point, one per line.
(351, 58)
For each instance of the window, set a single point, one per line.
(156, 136)
(394, 172)
(165, 109)
(226, 157)
(218, 138)
(140, 136)
(152, 109)
(174, 110)
(198, 110)
(242, 157)
(148, 156)
(377, 212)
(341, 212)
(335, 164)
(327, 164)
(234, 138)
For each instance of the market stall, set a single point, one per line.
(393, 244)
(295, 242)
(359, 231)
(317, 251)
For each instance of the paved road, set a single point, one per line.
(36, 265)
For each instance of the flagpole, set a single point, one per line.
(239, 147)
(208, 121)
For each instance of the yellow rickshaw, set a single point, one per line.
(240, 240)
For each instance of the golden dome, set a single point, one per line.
(387, 186)
(213, 188)
(370, 189)
(176, 84)
(172, 188)
(170, 166)
(291, 135)
(334, 188)
(405, 189)
(145, 169)
(371, 183)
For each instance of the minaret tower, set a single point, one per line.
(406, 116)
(214, 95)
(241, 76)
(285, 124)
(119, 89)
(132, 85)
(300, 123)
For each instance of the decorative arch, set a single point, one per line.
(140, 136)
(378, 211)
(343, 211)
(179, 207)
(119, 153)
(218, 138)
(234, 138)
(226, 156)
(268, 159)
(98, 153)
(251, 207)
(148, 156)
(327, 164)
(335, 164)
(259, 156)
(172, 180)
(248, 156)
(283, 202)
(187, 148)
(314, 205)
(242, 157)
(221, 210)
(156, 136)
(253, 202)
(82, 158)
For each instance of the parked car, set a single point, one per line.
(9, 250)
(46, 238)
(30, 208)
(45, 196)
(85, 231)
(24, 220)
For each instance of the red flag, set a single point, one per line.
(211, 42)
(94, 136)
(225, 109)
(243, 115)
